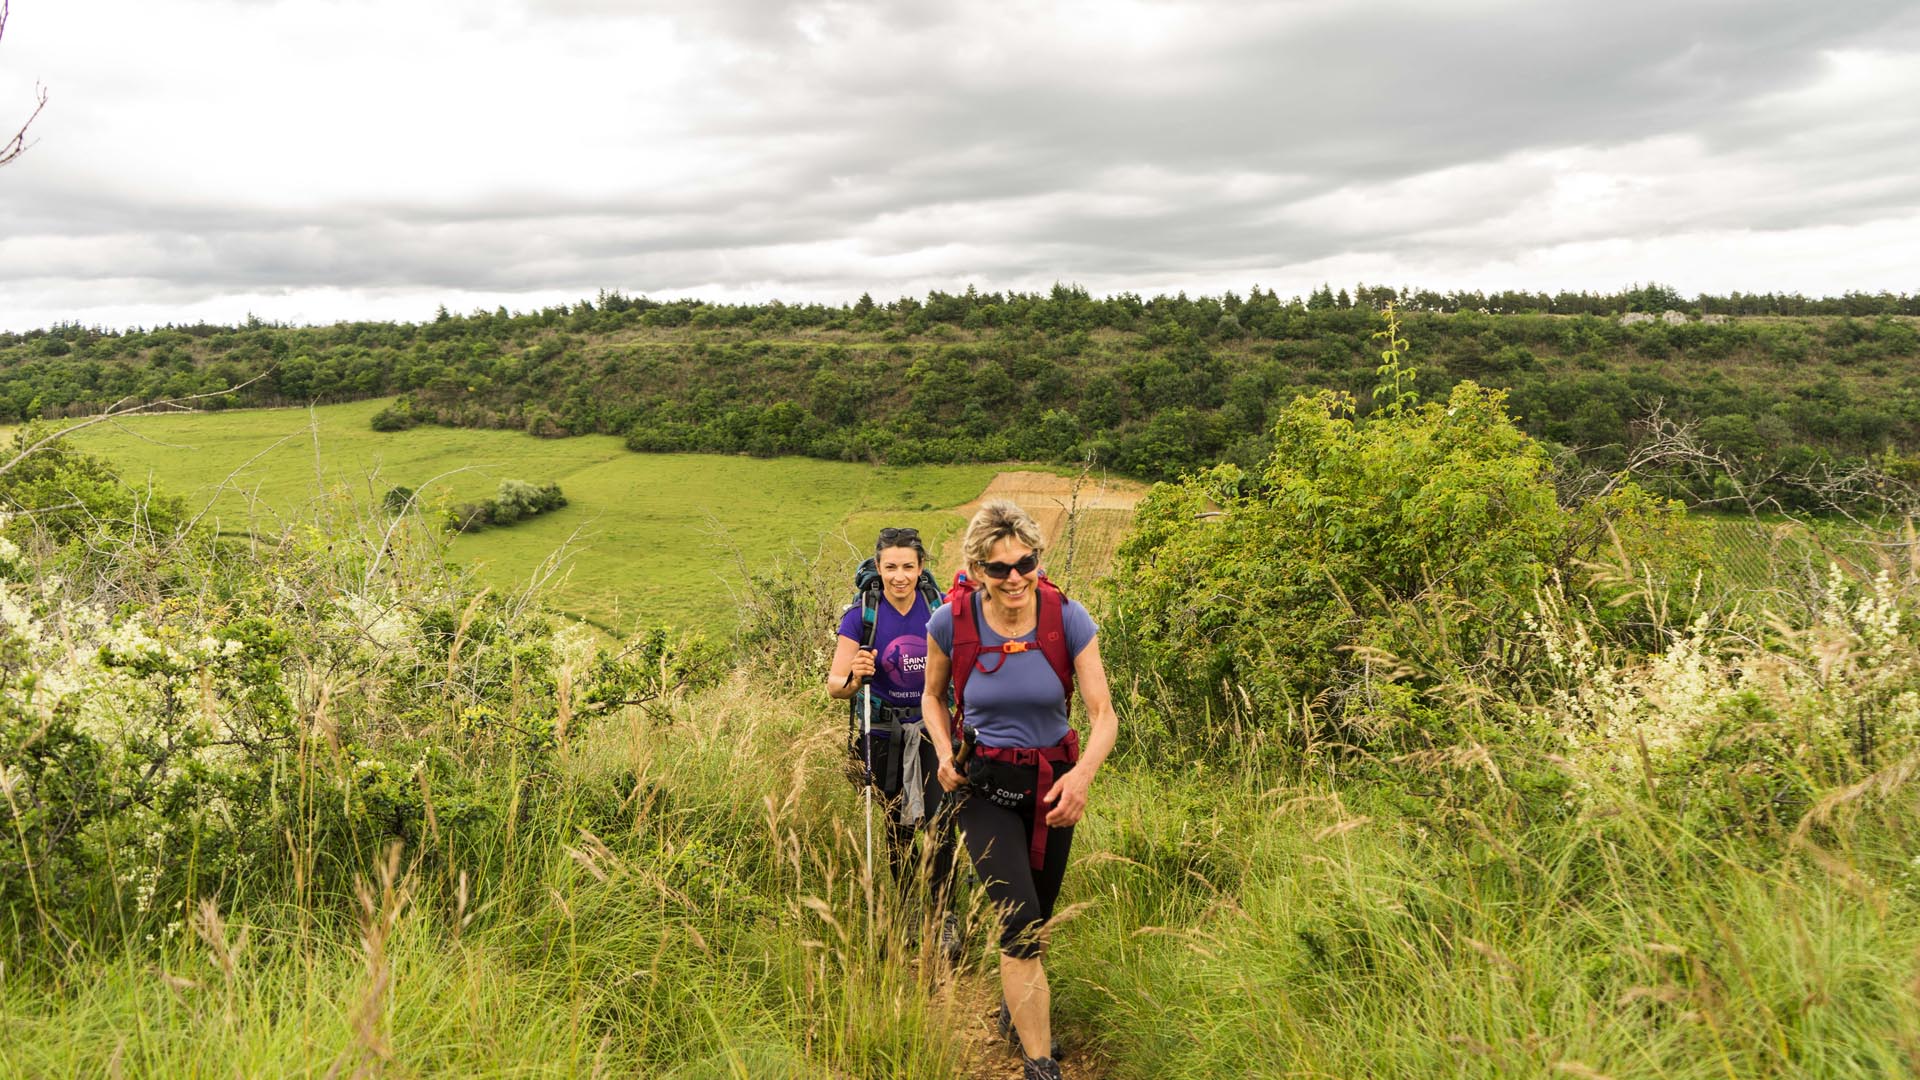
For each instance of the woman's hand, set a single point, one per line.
(950, 778)
(863, 662)
(850, 664)
(1068, 798)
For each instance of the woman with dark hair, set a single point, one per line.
(882, 648)
(1014, 650)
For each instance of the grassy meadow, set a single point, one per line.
(644, 539)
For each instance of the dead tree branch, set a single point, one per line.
(121, 409)
(17, 145)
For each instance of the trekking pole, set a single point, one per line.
(866, 752)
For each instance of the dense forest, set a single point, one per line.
(1782, 388)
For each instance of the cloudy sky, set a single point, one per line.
(312, 160)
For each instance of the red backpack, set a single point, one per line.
(1050, 636)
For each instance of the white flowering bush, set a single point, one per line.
(1755, 717)
(121, 732)
(179, 714)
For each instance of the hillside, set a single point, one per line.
(1149, 388)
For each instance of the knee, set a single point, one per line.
(1023, 934)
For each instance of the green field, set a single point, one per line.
(647, 537)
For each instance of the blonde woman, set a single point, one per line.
(1014, 651)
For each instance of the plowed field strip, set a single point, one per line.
(1099, 510)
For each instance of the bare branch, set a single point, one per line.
(116, 411)
(229, 479)
(386, 537)
(17, 145)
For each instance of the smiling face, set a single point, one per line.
(1013, 593)
(899, 570)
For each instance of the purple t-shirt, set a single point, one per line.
(1022, 703)
(900, 669)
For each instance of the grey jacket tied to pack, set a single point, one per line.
(914, 805)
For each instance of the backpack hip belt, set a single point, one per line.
(1041, 760)
(888, 718)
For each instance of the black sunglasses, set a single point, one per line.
(998, 571)
(891, 537)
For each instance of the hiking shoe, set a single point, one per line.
(1013, 1038)
(1040, 1069)
(951, 943)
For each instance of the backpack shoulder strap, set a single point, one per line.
(869, 616)
(930, 591)
(966, 642)
(868, 589)
(1051, 633)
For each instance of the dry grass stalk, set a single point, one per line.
(1340, 828)
(211, 929)
(379, 915)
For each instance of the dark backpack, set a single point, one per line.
(1050, 637)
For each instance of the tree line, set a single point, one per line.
(1153, 387)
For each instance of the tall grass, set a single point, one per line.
(685, 898)
(678, 888)
(1321, 932)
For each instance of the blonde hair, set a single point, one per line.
(999, 520)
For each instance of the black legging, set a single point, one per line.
(997, 842)
(939, 824)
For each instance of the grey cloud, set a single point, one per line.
(921, 146)
(1432, 95)
(763, 22)
(1350, 98)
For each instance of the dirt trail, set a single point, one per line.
(976, 996)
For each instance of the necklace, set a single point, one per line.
(997, 621)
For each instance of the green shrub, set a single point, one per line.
(516, 500)
(396, 417)
(174, 708)
(1408, 545)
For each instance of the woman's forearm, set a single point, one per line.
(1103, 731)
(1102, 722)
(933, 710)
(843, 687)
(841, 681)
(933, 703)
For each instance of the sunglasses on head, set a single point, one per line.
(998, 571)
(891, 537)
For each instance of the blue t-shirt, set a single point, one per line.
(1022, 702)
(900, 668)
